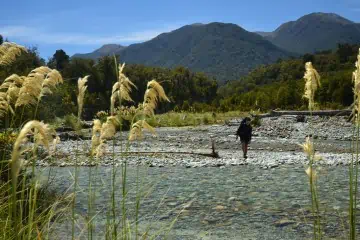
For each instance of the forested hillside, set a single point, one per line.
(222, 50)
(281, 85)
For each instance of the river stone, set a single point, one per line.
(219, 208)
(284, 222)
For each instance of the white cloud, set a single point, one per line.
(35, 35)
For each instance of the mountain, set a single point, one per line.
(225, 51)
(264, 34)
(107, 49)
(314, 32)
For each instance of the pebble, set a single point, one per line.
(284, 222)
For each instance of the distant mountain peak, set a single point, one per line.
(315, 32)
(332, 17)
(109, 48)
(104, 50)
(197, 24)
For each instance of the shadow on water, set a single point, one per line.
(242, 202)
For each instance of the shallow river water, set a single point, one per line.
(238, 202)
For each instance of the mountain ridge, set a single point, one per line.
(222, 50)
(104, 50)
(228, 51)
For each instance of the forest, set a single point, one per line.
(281, 85)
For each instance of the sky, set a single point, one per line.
(81, 26)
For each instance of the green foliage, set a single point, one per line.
(256, 121)
(281, 85)
(181, 86)
(181, 119)
(71, 121)
(59, 60)
(7, 140)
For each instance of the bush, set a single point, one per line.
(7, 139)
(256, 121)
(71, 120)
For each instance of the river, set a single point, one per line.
(237, 202)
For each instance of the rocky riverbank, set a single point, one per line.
(274, 143)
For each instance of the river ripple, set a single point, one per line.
(239, 202)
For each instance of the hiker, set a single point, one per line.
(244, 132)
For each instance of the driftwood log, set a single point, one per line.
(213, 154)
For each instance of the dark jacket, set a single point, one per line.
(244, 131)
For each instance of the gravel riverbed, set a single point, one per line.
(275, 142)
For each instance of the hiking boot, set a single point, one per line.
(245, 156)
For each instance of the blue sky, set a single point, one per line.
(79, 26)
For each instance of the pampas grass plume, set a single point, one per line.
(136, 130)
(312, 82)
(121, 89)
(80, 98)
(107, 131)
(38, 83)
(95, 138)
(42, 136)
(9, 52)
(356, 80)
(153, 95)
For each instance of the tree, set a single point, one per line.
(344, 52)
(308, 58)
(59, 60)
(1, 39)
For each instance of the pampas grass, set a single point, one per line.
(353, 166)
(81, 94)
(153, 95)
(53, 78)
(30, 91)
(37, 84)
(13, 79)
(42, 136)
(11, 85)
(4, 105)
(95, 138)
(312, 82)
(136, 130)
(356, 89)
(107, 131)
(9, 52)
(121, 90)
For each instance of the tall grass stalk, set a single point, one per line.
(113, 180)
(353, 167)
(312, 82)
(80, 100)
